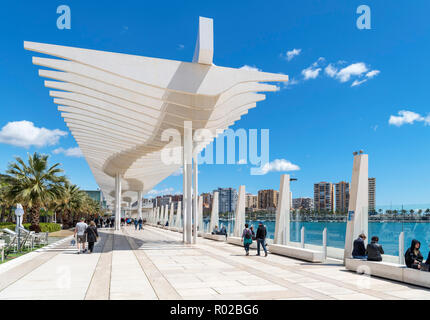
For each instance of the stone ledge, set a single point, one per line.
(298, 253)
(216, 237)
(388, 270)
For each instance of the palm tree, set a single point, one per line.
(70, 204)
(34, 185)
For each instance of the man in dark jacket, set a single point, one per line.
(374, 250)
(359, 250)
(261, 238)
(413, 256)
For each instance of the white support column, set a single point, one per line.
(117, 201)
(401, 248)
(239, 219)
(200, 219)
(357, 220)
(178, 215)
(282, 225)
(172, 208)
(158, 215)
(188, 162)
(204, 50)
(139, 204)
(324, 236)
(302, 237)
(195, 197)
(214, 214)
(166, 214)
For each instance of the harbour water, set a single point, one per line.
(388, 233)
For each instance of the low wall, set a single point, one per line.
(388, 270)
(216, 237)
(297, 253)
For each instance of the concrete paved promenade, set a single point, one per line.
(154, 264)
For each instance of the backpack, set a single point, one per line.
(248, 234)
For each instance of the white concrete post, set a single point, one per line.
(214, 214)
(158, 215)
(117, 201)
(302, 237)
(239, 219)
(184, 197)
(201, 223)
(172, 208)
(282, 224)
(325, 243)
(188, 162)
(178, 215)
(401, 248)
(195, 198)
(357, 219)
(166, 213)
(139, 204)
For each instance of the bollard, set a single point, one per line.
(401, 247)
(325, 243)
(302, 237)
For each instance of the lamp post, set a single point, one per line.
(19, 212)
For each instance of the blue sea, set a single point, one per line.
(388, 233)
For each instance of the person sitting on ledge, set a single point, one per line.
(359, 250)
(215, 230)
(223, 231)
(374, 250)
(413, 256)
(167, 223)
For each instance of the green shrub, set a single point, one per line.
(45, 227)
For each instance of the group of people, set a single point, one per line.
(248, 236)
(104, 222)
(373, 252)
(86, 233)
(222, 231)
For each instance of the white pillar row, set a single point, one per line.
(214, 214)
(282, 224)
(195, 197)
(172, 207)
(188, 162)
(239, 219)
(158, 214)
(139, 204)
(200, 219)
(117, 201)
(357, 219)
(178, 215)
(166, 213)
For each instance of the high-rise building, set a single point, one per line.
(372, 191)
(324, 196)
(342, 196)
(267, 199)
(227, 198)
(207, 200)
(251, 201)
(303, 203)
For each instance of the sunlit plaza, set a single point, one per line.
(166, 217)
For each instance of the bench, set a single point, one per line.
(388, 270)
(216, 237)
(297, 252)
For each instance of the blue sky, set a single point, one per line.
(315, 123)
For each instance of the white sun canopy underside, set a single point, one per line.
(117, 105)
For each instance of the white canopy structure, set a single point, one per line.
(118, 105)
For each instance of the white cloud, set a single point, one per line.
(357, 82)
(249, 68)
(70, 152)
(355, 69)
(25, 134)
(407, 117)
(310, 73)
(155, 192)
(330, 70)
(292, 53)
(372, 73)
(279, 165)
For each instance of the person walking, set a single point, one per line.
(92, 236)
(246, 238)
(374, 250)
(135, 224)
(140, 223)
(81, 235)
(261, 238)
